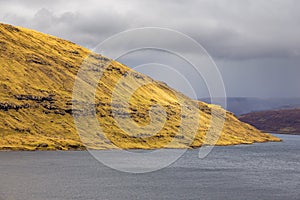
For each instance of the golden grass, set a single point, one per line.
(36, 82)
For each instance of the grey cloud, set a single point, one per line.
(245, 37)
(81, 28)
(228, 29)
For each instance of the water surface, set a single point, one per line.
(259, 171)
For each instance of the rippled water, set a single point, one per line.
(259, 171)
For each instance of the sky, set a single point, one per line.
(255, 44)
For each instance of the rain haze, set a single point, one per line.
(255, 44)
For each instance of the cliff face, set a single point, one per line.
(36, 85)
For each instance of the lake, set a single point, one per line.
(259, 171)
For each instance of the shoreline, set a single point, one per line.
(6, 149)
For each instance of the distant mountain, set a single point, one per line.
(243, 105)
(275, 121)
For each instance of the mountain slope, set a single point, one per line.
(276, 121)
(36, 85)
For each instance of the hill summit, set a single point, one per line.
(36, 87)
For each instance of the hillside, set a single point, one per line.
(36, 85)
(275, 121)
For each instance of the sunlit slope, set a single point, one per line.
(36, 85)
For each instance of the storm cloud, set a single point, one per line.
(255, 44)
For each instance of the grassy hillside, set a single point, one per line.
(276, 121)
(36, 84)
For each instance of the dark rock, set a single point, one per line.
(8, 106)
(35, 98)
(43, 145)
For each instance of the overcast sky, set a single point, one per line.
(256, 44)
